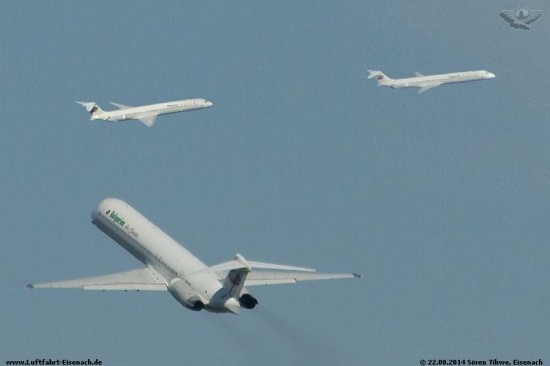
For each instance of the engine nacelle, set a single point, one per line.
(185, 295)
(248, 301)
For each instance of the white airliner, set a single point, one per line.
(147, 113)
(430, 81)
(170, 267)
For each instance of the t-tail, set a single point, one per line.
(92, 108)
(234, 283)
(379, 75)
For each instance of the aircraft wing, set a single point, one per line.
(508, 15)
(121, 106)
(239, 263)
(145, 279)
(535, 14)
(281, 273)
(428, 87)
(148, 121)
(276, 278)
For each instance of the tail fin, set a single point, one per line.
(234, 281)
(91, 107)
(379, 75)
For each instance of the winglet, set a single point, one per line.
(30, 286)
(357, 275)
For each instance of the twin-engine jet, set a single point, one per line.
(170, 267)
(426, 82)
(147, 113)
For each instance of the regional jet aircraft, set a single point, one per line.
(170, 267)
(430, 81)
(147, 113)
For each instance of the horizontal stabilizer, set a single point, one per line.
(146, 279)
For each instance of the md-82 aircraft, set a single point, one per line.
(170, 267)
(147, 113)
(426, 82)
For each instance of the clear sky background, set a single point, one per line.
(441, 200)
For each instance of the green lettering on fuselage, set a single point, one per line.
(117, 219)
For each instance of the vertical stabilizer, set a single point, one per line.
(379, 75)
(92, 108)
(234, 281)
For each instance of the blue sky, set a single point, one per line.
(440, 200)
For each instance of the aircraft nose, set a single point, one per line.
(209, 103)
(490, 75)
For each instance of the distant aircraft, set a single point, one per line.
(147, 113)
(431, 81)
(520, 18)
(170, 267)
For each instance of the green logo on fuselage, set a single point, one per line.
(117, 219)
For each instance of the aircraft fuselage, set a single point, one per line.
(455, 77)
(152, 109)
(426, 82)
(150, 245)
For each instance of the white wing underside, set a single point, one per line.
(276, 278)
(145, 279)
(234, 264)
(428, 87)
(280, 274)
(148, 121)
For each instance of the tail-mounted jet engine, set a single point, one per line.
(248, 301)
(185, 295)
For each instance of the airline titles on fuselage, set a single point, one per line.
(117, 219)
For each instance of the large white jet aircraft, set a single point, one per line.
(147, 113)
(430, 81)
(170, 267)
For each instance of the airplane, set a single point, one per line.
(520, 18)
(147, 113)
(426, 82)
(170, 267)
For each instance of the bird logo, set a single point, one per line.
(520, 18)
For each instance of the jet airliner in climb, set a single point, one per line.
(168, 266)
(147, 113)
(426, 82)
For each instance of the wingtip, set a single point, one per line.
(30, 286)
(357, 275)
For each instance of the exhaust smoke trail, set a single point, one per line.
(304, 347)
